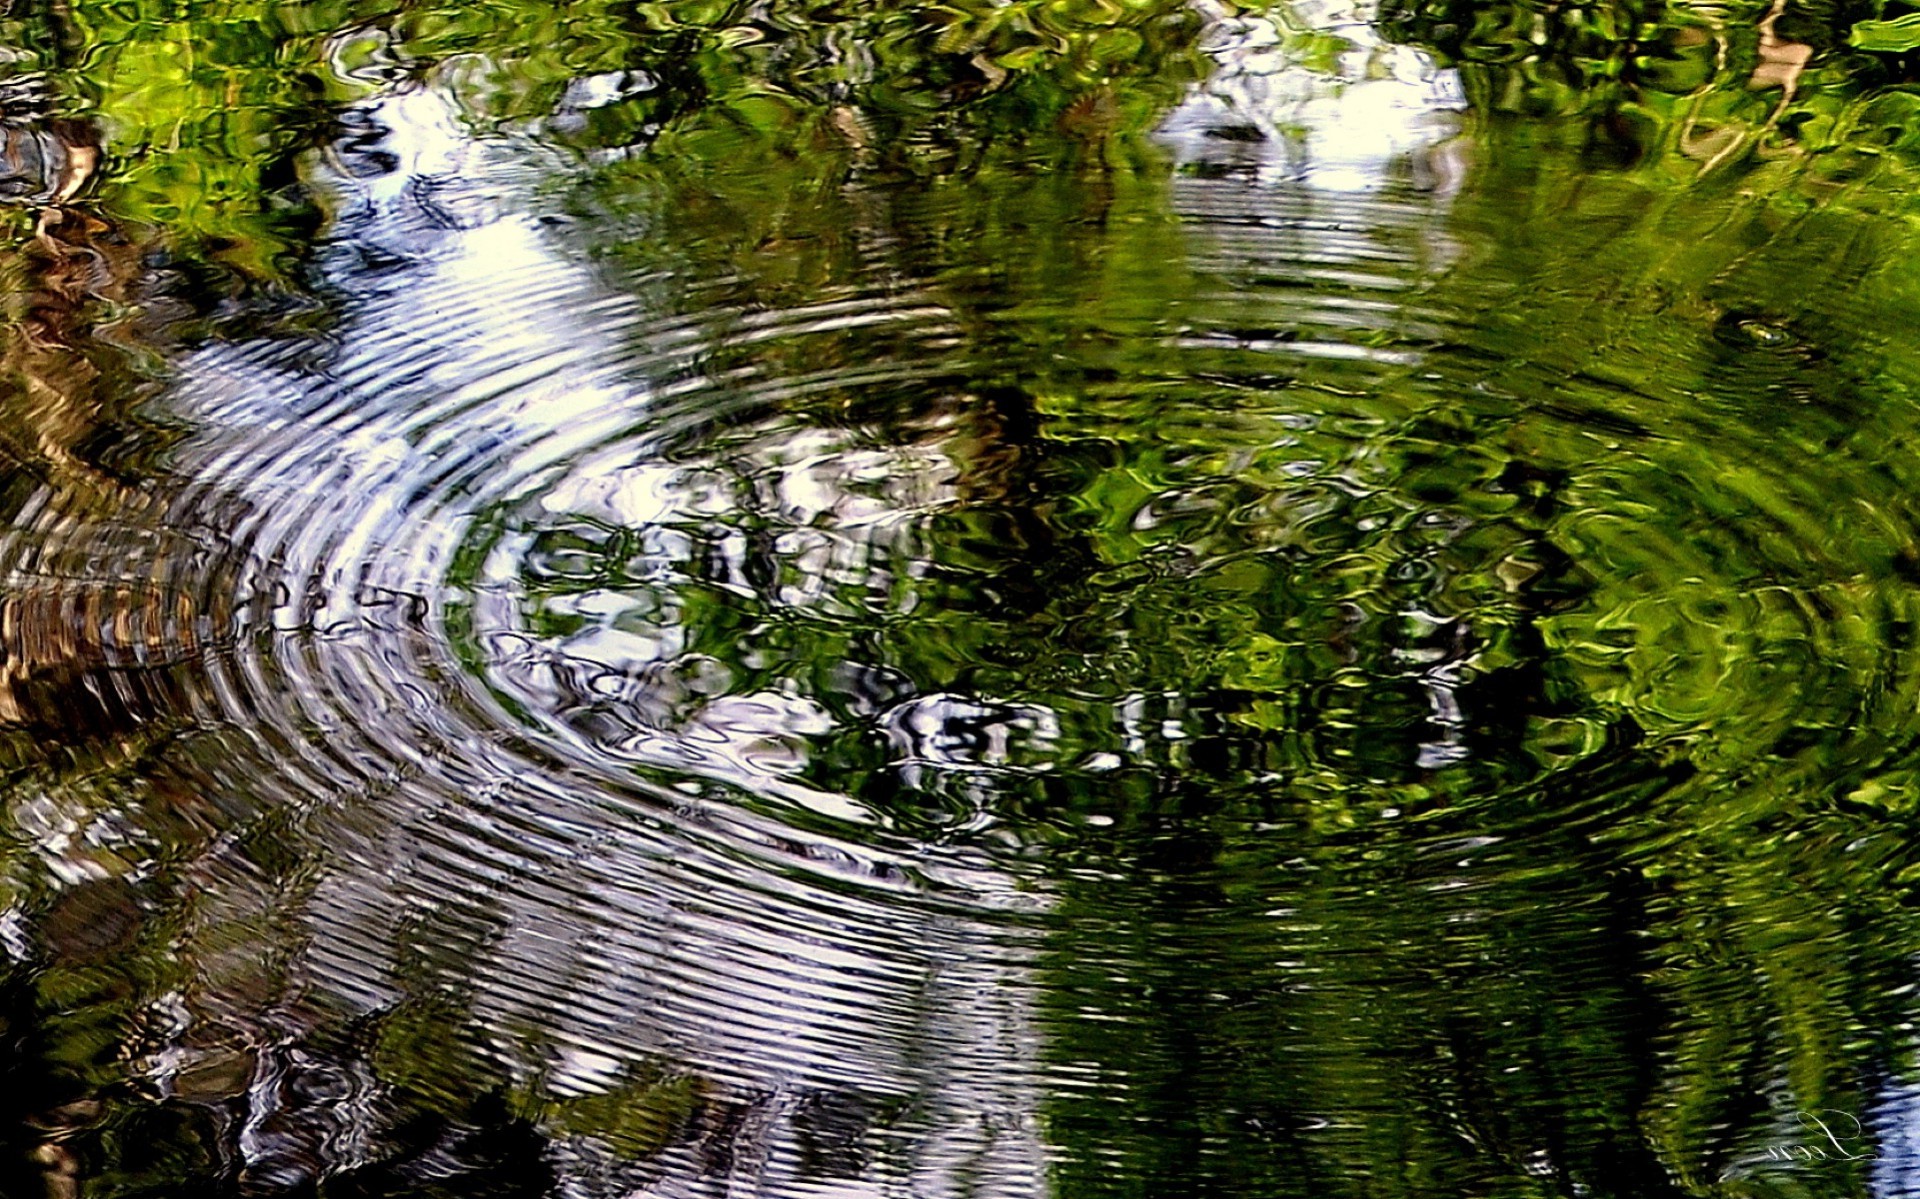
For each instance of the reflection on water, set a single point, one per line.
(1084, 602)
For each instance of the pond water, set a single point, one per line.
(1006, 598)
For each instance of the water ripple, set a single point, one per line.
(928, 730)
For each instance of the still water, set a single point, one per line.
(780, 598)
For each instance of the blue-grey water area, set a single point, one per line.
(1026, 598)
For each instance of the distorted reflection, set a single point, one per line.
(1311, 92)
(1010, 600)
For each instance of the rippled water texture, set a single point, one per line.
(999, 600)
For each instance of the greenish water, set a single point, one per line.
(1079, 598)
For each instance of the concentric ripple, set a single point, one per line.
(1127, 680)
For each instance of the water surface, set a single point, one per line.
(1044, 599)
